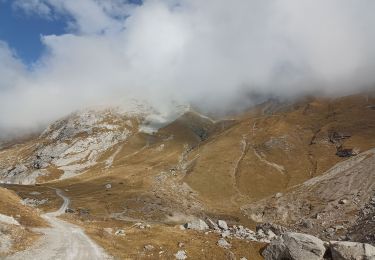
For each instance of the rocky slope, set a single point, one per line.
(328, 205)
(271, 163)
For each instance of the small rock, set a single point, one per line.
(343, 201)
(120, 232)
(69, 210)
(278, 195)
(149, 247)
(225, 233)
(277, 229)
(270, 235)
(181, 255)
(181, 244)
(108, 186)
(339, 227)
(223, 243)
(139, 225)
(307, 223)
(212, 224)
(222, 224)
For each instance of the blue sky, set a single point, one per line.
(22, 32)
(211, 53)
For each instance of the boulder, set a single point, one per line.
(295, 246)
(343, 250)
(197, 225)
(149, 247)
(181, 255)
(222, 224)
(120, 232)
(212, 224)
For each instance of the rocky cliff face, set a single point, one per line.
(67, 147)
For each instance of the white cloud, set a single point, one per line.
(209, 52)
(32, 7)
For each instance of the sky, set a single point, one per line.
(57, 56)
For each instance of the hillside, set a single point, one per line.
(119, 169)
(16, 221)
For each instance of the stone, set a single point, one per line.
(181, 244)
(295, 246)
(225, 233)
(277, 229)
(270, 235)
(212, 224)
(149, 247)
(343, 250)
(181, 255)
(223, 243)
(278, 195)
(108, 186)
(120, 232)
(307, 223)
(198, 224)
(343, 201)
(139, 225)
(69, 210)
(222, 224)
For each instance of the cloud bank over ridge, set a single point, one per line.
(212, 53)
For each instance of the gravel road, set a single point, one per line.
(62, 241)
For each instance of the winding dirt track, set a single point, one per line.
(62, 241)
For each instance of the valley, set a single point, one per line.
(306, 165)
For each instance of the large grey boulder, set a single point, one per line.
(295, 246)
(343, 250)
(197, 224)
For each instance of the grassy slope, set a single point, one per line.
(257, 154)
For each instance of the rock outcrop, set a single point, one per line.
(298, 246)
(344, 250)
(295, 246)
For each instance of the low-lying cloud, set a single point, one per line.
(210, 53)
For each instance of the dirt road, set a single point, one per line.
(62, 241)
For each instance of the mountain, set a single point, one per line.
(278, 162)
